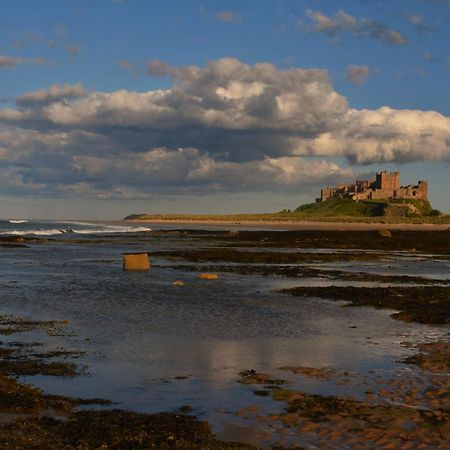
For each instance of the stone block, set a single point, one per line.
(136, 261)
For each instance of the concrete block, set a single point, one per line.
(136, 261)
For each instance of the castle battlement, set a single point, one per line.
(386, 185)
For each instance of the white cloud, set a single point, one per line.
(227, 126)
(385, 135)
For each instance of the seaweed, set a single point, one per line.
(421, 304)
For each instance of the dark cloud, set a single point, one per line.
(52, 94)
(357, 74)
(343, 23)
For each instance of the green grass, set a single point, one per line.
(333, 210)
(343, 207)
(422, 205)
(286, 216)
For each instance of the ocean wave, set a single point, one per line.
(17, 221)
(114, 229)
(31, 232)
(55, 231)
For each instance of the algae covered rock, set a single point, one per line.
(208, 276)
(385, 233)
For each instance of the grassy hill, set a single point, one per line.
(345, 207)
(333, 210)
(338, 207)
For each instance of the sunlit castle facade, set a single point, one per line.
(385, 186)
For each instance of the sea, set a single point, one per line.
(23, 227)
(152, 345)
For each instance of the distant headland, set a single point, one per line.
(381, 200)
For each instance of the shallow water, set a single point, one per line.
(153, 346)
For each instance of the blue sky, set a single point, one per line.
(73, 149)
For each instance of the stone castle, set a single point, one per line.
(385, 186)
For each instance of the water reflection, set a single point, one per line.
(147, 334)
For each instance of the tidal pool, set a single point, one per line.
(153, 346)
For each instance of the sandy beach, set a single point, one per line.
(297, 225)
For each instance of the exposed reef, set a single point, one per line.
(300, 271)
(404, 412)
(422, 304)
(247, 257)
(34, 420)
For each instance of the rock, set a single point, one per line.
(208, 276)
(136, 261)
(385, 233)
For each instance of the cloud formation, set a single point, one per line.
(53, 94)
(11, 62)
(343, 23)
(227, 126)
(418, 22)
(357, 74)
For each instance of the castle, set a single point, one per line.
(385, 186)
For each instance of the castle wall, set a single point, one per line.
(380, 194)
(385, 186)
(419, 191)
(326, 194)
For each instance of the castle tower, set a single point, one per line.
(388, 181)
(422, 190)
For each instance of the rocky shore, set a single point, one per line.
(31, 419)
(408, 409)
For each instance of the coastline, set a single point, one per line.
(409, 358)
(297, 225)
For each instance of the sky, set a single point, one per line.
(113, 107)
